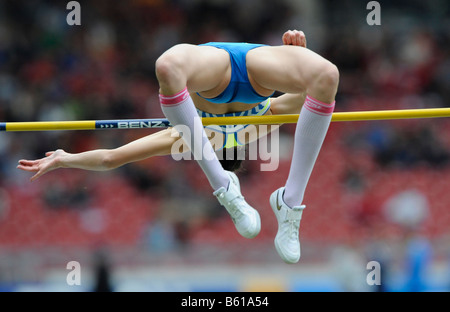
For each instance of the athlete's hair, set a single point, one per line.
(233, 158)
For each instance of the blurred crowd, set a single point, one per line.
(104, 69)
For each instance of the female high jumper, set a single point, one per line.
(220, 78)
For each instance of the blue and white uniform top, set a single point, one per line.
(230, 132)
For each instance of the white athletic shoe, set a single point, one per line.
(287, 240)
(245, 218)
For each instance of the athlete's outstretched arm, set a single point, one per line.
(156, 144)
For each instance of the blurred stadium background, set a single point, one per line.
(387, 192)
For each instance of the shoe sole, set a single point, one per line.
(273, 200)
(258, 218)
(258, 226)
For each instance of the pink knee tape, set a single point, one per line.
(174, 99)
(319, 107)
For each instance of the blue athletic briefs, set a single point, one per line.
(239, 89)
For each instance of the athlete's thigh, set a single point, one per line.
(284, 68)
(205, 67)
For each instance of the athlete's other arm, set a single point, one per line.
(294, 37)
(289, 103)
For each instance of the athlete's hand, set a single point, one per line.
(294, 37)
(43, 165)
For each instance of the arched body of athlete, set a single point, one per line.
(221, 78)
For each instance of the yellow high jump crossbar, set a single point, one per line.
(255, 120)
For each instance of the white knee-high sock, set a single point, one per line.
(180, 111)
(310, 132)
